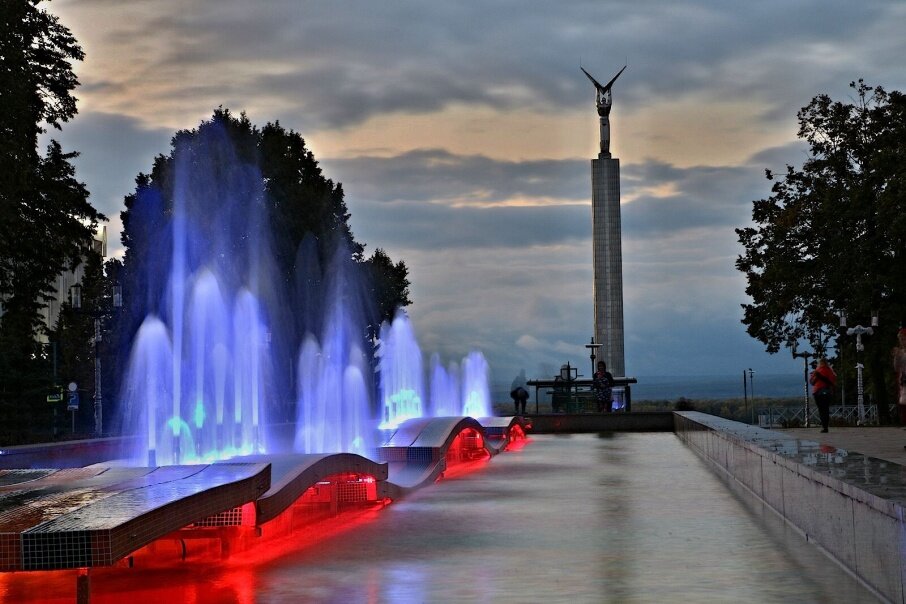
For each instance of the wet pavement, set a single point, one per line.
(627, 517)
(883, 442)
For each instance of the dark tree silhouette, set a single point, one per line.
(832, 236)
(46, 222)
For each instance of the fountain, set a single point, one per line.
(226, 347)
(446, 397)
(400, 367)
(476, 393)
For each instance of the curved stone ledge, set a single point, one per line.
(293, 474)
(501, 431)
(97, 515)
(417, 451)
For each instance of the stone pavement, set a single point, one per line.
(883, 442)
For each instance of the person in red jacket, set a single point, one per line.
(823, 381)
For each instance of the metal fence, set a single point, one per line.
(786, 417)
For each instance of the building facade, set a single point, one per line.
(50, 313)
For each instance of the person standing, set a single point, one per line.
(518, 392)
(602, 384)
(824, 381)
(520, 396)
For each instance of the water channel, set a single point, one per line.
(624, 517)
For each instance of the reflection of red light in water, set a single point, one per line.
(466, 454)
(517, 438)
(214, 563)
(518, 444)
(305, 536)
(323, 510)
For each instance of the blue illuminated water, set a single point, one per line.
(228, 348)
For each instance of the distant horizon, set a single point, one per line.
(687, 375)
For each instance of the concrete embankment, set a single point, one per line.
(849, 504)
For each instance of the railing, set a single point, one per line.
(785, 417)
(584, 401)
(577, 396)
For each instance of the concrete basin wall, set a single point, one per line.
(66, 454)
(850, 505)
(646, 421)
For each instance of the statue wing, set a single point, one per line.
(597, 84)
(593, 81)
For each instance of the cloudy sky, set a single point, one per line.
(462, 134)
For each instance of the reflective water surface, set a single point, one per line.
(581, 518)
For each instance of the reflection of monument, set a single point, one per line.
(606, 239)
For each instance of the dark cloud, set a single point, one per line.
(777, 158)
(422, 199)
(417, 225)
(344, 63)
(702, 196)
(436, 175)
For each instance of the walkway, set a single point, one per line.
(882, 442)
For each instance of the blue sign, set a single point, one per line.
(73, 404)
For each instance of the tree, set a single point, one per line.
(832, 236)
(46, 222)
(389, 284)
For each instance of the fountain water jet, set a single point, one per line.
(475, 389)
(221, 318)
(400, 367)
(446, 399)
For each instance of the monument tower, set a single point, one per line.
(606, 239)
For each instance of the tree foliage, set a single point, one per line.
(389, 284)
(831, 238)
(46, 222)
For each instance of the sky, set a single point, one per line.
(462, 133)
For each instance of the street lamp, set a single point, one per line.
(97, 314)
(840, 333)
(592, 347)
(752, 394)
(805, 356)
(566, 372)
(859, 331)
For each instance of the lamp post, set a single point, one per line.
(840, 333)
(592, 347)
(805, 356)
(859, 331)
(97, 314)
(752, 394)
(568, 373)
